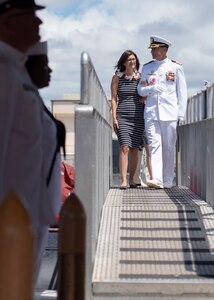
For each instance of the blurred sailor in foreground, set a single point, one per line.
(23, 157)
(163, 83)
(39, 71)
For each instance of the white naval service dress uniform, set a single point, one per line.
(27, 142)
(53, 188)
(165, 105)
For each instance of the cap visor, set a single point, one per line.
(38, 7)
(153, 46)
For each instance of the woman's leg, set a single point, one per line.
(133, 163)
(148, 160)
(124, 150)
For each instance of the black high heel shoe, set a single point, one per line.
(123, 187)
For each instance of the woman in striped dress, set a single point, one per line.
(127, 113)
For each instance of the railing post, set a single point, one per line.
(85, 84)
(16, 250)
(71, 247)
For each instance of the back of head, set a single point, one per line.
(15, 29)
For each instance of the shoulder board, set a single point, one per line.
(148, 62)
(176, 62)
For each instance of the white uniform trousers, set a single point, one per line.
(162, 139)
(141, 175)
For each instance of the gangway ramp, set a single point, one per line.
(154, 244)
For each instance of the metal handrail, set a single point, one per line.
(93, 156)
(200, 106)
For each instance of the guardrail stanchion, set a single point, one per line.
(71, 250)
(16, 250)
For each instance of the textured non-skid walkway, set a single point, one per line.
(155, 242)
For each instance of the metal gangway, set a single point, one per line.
(144, 243)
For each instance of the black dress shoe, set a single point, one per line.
(132, 185)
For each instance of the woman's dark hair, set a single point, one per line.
(120, 64)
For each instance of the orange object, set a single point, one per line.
(67, 179)
(71, 247)
(16, 251)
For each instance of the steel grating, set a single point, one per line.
(149, 236)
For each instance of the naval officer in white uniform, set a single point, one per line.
(163, 83)
(39, 71)
(23, 156)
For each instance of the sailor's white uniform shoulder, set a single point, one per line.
(176, 62)
(151, 61)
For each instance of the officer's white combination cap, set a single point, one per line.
(40, 48)
(157, 41)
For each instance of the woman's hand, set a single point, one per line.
(142, 99)
(115, 125)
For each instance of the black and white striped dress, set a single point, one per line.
(129, 114)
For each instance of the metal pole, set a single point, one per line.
(16, 251)
(71, 256)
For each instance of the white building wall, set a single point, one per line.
(63, 110)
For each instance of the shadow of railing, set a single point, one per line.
(195, 232)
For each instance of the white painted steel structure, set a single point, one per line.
(93, 155)
(195, 167)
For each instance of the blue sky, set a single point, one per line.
(106, 28)
(70, 8)
(73, 9)
(66, 10)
